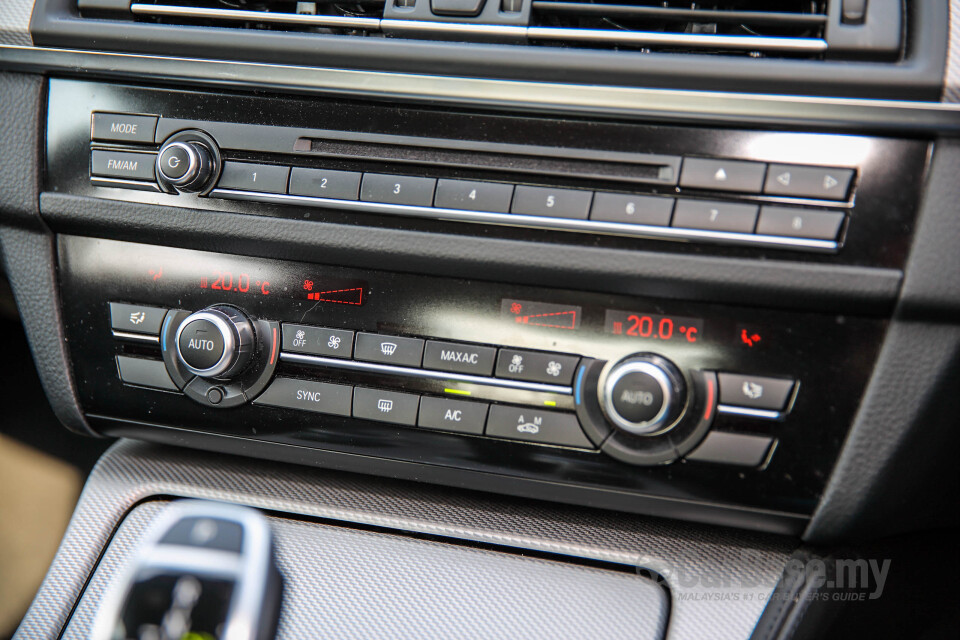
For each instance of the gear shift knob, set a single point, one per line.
(205, 571)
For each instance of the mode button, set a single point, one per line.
(123, 127)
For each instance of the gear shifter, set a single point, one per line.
(206, 571)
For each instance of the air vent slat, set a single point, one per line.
(682, 40)
(343, 22)
(681, 15)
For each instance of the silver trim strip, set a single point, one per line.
(632, 102)
(613, 36)
(423, 373)
(125, 335)
(259, 16)
(752, 413)
(751, 43)
(537, 222)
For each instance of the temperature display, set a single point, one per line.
(239, 282)
(654, 327)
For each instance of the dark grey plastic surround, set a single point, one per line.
(699, 564)
(344, 583)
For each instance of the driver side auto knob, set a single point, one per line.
(643, 394)
(217, 342)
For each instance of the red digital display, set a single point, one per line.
(651, 326)
(238, 282)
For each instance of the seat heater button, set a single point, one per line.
(723, 175)
(385, 406)
(715, 216)
(145, 373)
(534, 425)
(404, 352)
(732, 448)
(123, 127)
(319, 397)
(123, 164)
(135, 318)
(452, 415)
(754, 391)
(459, 358)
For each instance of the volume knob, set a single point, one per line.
(643, 394)
(185, 165)
(216, 342)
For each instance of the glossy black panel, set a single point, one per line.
(890, 171)
(830, 356)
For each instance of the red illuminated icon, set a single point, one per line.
(339, 296)
(556, 320)
(308, 285)
(749, 339)
(156, 273)
(617, 328)
(203, 282)
(516, 307)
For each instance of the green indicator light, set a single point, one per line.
(460, 392)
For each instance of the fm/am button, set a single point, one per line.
(123, 164)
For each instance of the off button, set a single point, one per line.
(174, 161)
(201, 344)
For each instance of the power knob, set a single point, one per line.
(643, 394)
(188, 162)
(216, 342)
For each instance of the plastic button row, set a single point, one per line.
(455, 357)
(461, 416)
(550, 202)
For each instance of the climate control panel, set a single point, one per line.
(644, 404)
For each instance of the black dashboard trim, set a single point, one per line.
(597, 101)
(919, 76)
(798, 285)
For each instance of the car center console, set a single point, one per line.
(657, 403)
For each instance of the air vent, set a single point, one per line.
(808, 29)
(748, 26)
(354, 17)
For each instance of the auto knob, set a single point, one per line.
(185, 165)
(216, 342)
(643, 394)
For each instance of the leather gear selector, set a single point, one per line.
(205, 570)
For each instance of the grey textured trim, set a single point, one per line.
(554, 97)
(951, 80)
(700, 564)
(15, 22)
(344, 583)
